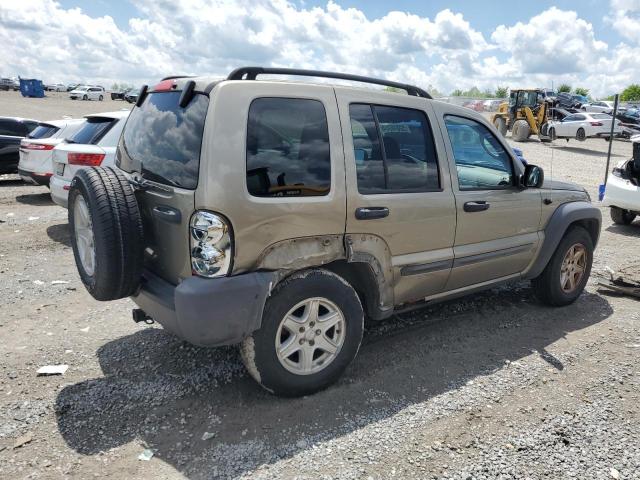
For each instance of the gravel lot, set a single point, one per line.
(490, 386)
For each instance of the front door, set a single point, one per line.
(498, 222)
(398, 189)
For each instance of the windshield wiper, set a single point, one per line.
(155, 177)
(68, 140)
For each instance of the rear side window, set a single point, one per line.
(93, 130)
(288, 148)
(166, 138)
(394, 150)
(43, 130)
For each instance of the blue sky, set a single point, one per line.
(439, 44)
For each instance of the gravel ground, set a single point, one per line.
(490, 386)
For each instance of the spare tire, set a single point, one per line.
(106, 232)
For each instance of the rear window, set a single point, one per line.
(601, 116)
(165, 139)
(43, 130)
(93, 130)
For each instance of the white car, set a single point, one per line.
(599, 107)
(56, 87)
(93, 145)
(83, 92)
(582, 126)
(622, 193)
(36, 150)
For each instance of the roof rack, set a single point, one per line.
(250, 73)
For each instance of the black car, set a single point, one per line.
(9, 84)
(131, 95)
(568, 101)
(12, 130)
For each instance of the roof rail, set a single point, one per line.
(250, 73)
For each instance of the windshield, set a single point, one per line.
(165, 139)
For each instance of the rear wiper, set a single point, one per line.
(155, 177)
(68, 140)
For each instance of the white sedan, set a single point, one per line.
(582, 126)
(599, 107)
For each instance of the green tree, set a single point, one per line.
(457, 93)
(473, 92)
(631, 93)
(502, 92)
(564, 88)
(487, 93)
(435, 93)
(582, 91)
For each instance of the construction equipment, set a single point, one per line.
(524, 115)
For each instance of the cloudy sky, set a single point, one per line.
(444, 44)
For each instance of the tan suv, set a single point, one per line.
(278, 214)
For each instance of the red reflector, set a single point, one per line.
(36, 146)
(596, 124)
(67, 187)
(164, 85)
(85, 159)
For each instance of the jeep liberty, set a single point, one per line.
(278, 214)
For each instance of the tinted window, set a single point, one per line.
(601, 116)
(163, 140)
(13, 128)
(43, 131)
(405, 159)
(288, 148)
(481, 161)
(93, 130)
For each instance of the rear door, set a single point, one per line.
(497, 222)
(398, 188)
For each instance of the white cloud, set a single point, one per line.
(45, 40)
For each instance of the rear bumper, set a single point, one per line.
(59, 190)
(621, 193)
(207, 312)
(34, 178)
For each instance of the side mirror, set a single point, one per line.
(533, 176)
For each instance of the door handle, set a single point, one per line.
(168, 214)
(371, 213)
(477, 206)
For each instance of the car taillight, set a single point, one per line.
(596, 124)
(85, 159)
(211, 244)
(36, 146)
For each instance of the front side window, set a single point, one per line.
(481, 161)
(288, 148)
(394, 150)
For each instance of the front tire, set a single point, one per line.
(84, 97)
(500, 125)
(621, 216)
(568, 270)
(520, 131)
(312, 326)
(100, 98)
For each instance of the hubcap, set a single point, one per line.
(83, 231)
(310, 336)
(573, 267)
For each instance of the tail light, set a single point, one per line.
(36, 146)
(211, 244)
(85, 159)
(596, 124)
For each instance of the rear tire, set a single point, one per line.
(115, 228)
(621, 216)
(275, 354)
(84, 97)
(500, 125)
(520, 131)
(581, 135)
(548, 287)
(100, 98)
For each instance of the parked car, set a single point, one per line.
(73, 86)
(36, 150)
(118, 95)
(603, 106)
(94, 144)
(492, 105)
(87, 93)
(9, 84)
(622, 193)
(131, 95)
(55, 87)
(278, 214)
(477, 105)
(582, 126)
(12, 131)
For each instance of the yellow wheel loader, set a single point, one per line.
(524, 115)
